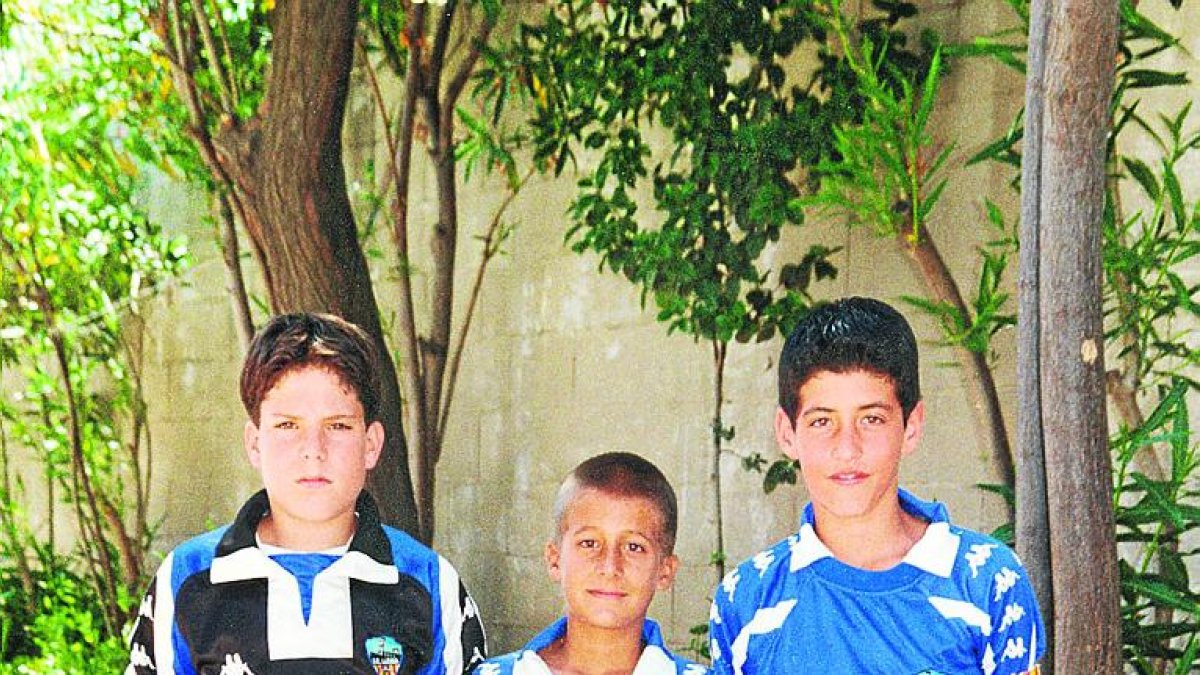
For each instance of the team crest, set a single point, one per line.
(386, 654)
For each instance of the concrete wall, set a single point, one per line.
(562, 363)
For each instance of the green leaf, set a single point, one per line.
(1142, 174)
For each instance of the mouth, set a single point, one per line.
(848, 477)
(605, 594)
(313, 482)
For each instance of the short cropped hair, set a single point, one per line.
(291, 341)
(847, 335)
(621, 474)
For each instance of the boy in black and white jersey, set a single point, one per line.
(307, 579)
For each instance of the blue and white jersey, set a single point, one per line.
(960, 602)
(222, 605)
(655, 659)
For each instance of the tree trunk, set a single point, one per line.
(1033, 513)
(1077, 78)
(287, 168)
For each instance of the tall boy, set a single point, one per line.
(876, 581)
(306, 579)
(614, 544)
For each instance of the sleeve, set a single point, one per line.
(722, 628)
(153, 642)
(459, 642)
(1017, 641)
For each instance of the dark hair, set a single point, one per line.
(849, 335)
(291, 341)
(622, 474)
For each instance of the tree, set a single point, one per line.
(269, 140)
(1064, 432)
(77, 259)
(415, 44)
(279, 166)
(742, 129)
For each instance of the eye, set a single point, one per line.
(586, 543)
(874, 420)
(285, 424)
(818, 422)
(636, 547)
(341, 426)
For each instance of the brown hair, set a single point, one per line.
(291, 341)
(621, 474)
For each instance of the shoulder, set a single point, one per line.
(754, 575)
(981, 551)
(196, 554)
(989, 566)
(499, 665)
(416, 559)
(657, 654)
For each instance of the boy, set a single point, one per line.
(306, 579)
(615, 519)
(876, 580)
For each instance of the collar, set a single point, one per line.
(934, 552)
(369, 556)
(651, 635)
(654, 658)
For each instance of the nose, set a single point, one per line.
(610, 561)
(847, 445)
(313, 445)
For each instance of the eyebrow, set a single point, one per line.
(874, 405)
(338, 416)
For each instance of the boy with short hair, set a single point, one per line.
(306, 579)
(876, 581)
(615, 518)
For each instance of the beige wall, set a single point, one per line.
(563, 364)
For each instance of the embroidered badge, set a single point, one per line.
(386, 654)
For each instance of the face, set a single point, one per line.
(313, 448)
(609, 561)
(849, 436)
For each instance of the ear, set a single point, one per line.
(551, 554)
(785, 434)
(666, 571)
(375, 438)
(250, 443)
(913, 428)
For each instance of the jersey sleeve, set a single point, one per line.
(459, 644)
(154, 645)
(1017, 642)
(722, 628)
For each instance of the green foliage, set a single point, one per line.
(1154, 520)
(65, 635)
(77, 257)
(714, 76)
(1148, 302)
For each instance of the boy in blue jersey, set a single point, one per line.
(306, 579)
(876, 581)
(615, 518)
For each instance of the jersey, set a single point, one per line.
(655, 659)
(960, 602)
(219, 605)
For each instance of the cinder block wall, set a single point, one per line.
(562, 363)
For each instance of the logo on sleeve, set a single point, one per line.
(386, 654)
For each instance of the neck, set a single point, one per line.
(588, 650)
(298, 536)
(873, 541)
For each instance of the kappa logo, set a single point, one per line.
(234, 665)
(386, 654)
